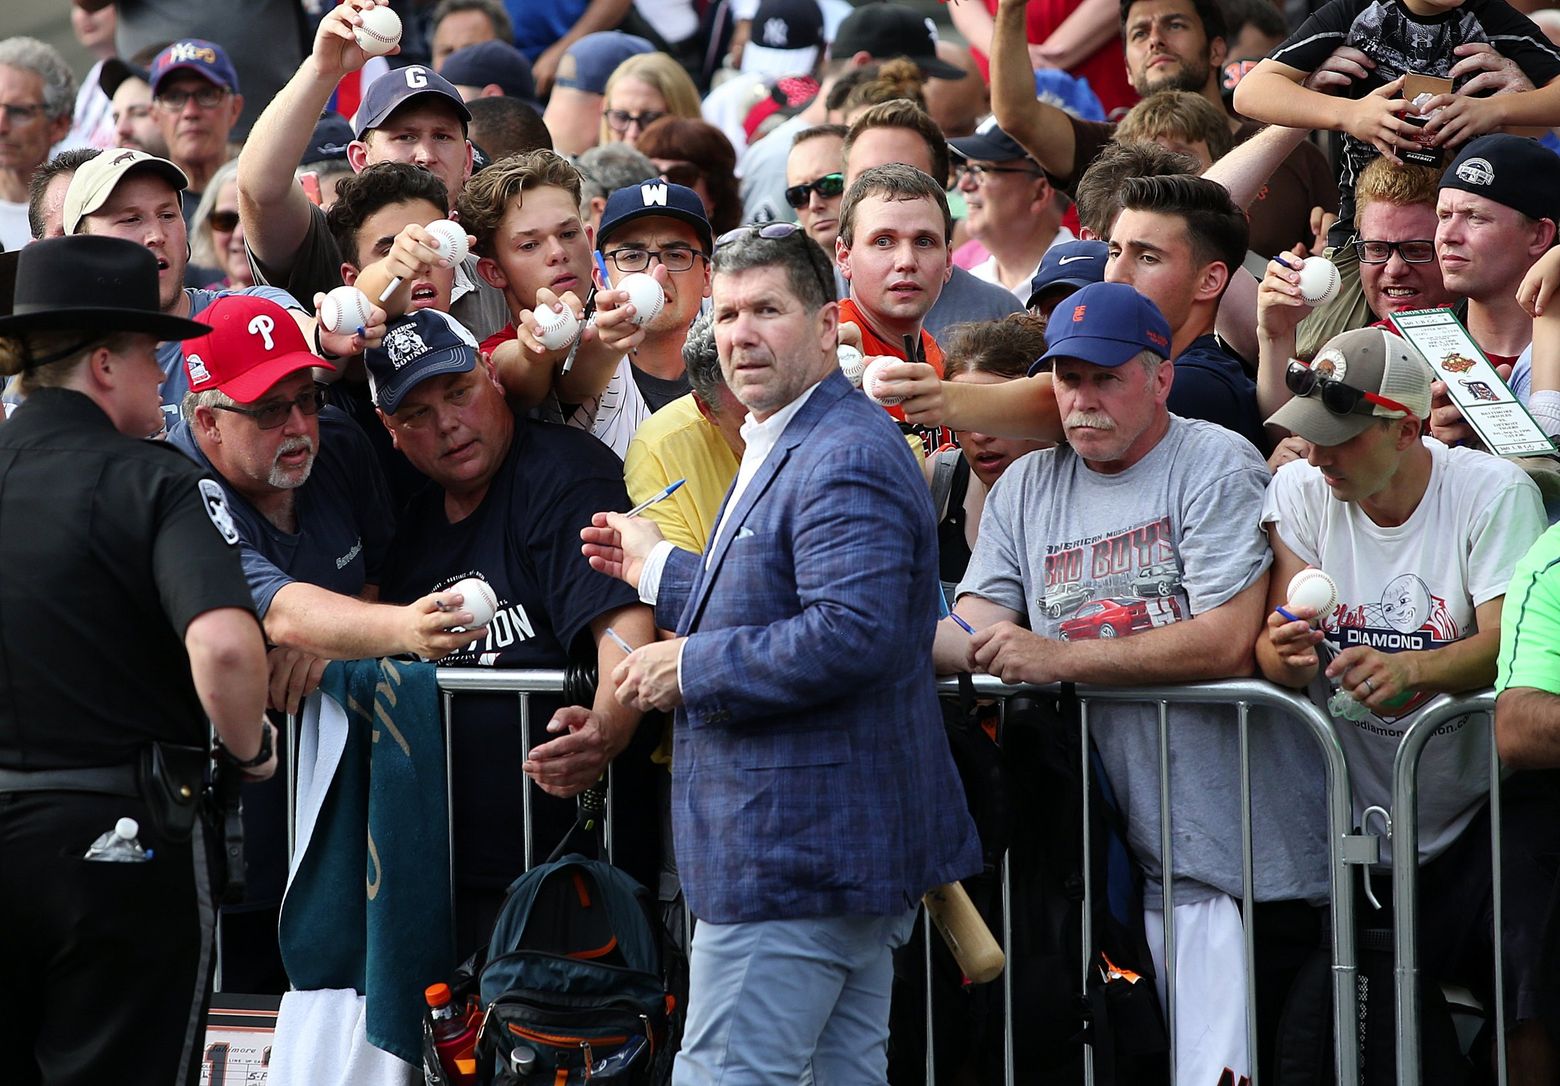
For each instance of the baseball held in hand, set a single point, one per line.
(644, 294)
(345, 310)
(380, 32)
(449, 237)
(558, 328)
(853, 362)
(480, 599)
(1315, 589)
(873, 376)
(1318, 280)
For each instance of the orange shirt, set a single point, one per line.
(932, 437)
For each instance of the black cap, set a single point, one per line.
(332, 133)
(491, 62)
(989, 144)
(885, 31)
(1513, 171)
(91, 283)
(115, 71)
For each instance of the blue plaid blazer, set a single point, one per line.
(812, 775)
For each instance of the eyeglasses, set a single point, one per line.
(222, 222)
(618, 120)
(20, 115)
(969, 169)
(636, 260)
(207, 97)
(779, 231)
(828, 186)
(1417, 251)
(1337, 397)
(272, 415)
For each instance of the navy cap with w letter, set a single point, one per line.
(653, 196)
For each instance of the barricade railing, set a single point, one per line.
(1347, 846)
(1405, 883)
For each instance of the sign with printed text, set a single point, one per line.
(1486, 401)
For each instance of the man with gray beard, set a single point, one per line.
(311, 516)
(1132, 555)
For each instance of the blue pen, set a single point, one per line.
(1286, 614)
(601, 266)
(665, 493)
(944, 611)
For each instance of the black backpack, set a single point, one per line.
(572, 989)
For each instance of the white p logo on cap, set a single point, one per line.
(263, 326)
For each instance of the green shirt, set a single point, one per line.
(1530, 620)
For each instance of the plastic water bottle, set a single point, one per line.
(119, 845)
(1345, 705)
(454, 1035)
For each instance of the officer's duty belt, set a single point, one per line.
(103, 780)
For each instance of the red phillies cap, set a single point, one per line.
(253, 343)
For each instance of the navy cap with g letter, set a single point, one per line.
(391, 91)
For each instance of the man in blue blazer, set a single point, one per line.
(814, 799)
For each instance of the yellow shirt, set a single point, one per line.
(677, 442)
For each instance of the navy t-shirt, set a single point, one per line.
(343, 510)
(1211, 385)
(524, 540)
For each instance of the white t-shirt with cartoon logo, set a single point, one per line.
(1083, 556)
(1408, 588)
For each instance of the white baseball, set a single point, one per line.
(1318, 280)
(380, 32)
(874, 374)
(558, 329)
(345, 310)
(481, 601)
(1313, 588)
(449, 239)
(644, 294)
(853, 362)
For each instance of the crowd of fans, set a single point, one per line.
(1136, 427)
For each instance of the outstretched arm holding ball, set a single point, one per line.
(273, 204)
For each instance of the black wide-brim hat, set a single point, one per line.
(86, 283)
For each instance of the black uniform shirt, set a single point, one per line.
(109, 548)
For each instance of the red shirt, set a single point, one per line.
(1105, 68)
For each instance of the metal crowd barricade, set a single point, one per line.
(1346, 848)
(1405, 887)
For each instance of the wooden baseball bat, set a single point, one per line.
(965, 932)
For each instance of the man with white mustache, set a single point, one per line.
(1133, 555)
(311, 516)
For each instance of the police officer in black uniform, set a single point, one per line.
(125, 625)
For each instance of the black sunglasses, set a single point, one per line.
(223, 222)
(827, 186)
(779, 231)
(273, 415)
(1337, 397)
